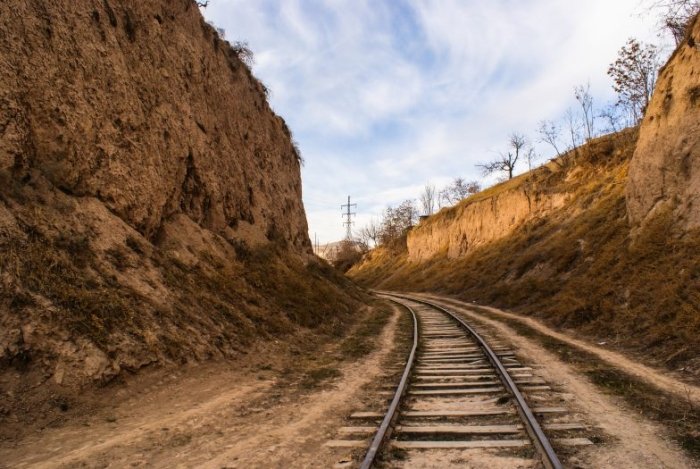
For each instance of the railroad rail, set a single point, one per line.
(384, 427)
(534, 430)
(459, 392)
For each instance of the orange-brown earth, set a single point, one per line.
(150, 203)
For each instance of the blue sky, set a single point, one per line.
(384, 96)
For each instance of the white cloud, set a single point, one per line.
(385, 95)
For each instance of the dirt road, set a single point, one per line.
(211, 416)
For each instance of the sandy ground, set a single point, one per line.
(211, 416)
(634, 442)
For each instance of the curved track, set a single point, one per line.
(451, 347)
(462, 394)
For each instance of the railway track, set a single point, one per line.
(461, 391)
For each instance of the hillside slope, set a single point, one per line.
(576, 266)
(603, 241)
(150, 200)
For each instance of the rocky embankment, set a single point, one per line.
(663, 174)
(142, 107)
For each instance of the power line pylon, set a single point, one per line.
(348, 214)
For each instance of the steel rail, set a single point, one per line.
(393, 407)
(534, 430)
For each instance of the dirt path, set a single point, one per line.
(655, 377)
(212, 416)
(634, 442)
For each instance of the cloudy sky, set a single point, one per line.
(384, 96)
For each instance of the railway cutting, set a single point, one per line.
(462, 394)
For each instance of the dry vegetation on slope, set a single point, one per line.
(576, 266)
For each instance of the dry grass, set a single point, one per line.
(61, 270)
(603, 152)
(216, 307)
(318, 365)
(363, 340)
(578, 267)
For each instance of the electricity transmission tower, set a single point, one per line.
(348, 214)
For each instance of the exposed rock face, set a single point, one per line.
(142, 106)
(150, 200)
(469, 225)
(665, 170)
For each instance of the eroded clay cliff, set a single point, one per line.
(142, 106)
(664, 173)
(474, 223)
(150, 200)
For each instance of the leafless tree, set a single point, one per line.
(574, 129)
(243, 52)
(676, 16)
(428, 199)
(362, 238)
(611, 115)
(506, 161)
(407, 213)
(457, 190)
(585, 100)
(531, 156)
(550, 133)
(369, 234)
(396, 220)
(634, 76)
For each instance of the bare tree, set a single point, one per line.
(243, 52)
(550, 133)
(634, 76)
(457, 190)
(585, 100)
(407, 213)
(611, 115)
(505, 163)
(362, 238)
(676, 16)
(428, 199)
(574, 128)
(369, 234)
(531, 156)
(396, 220)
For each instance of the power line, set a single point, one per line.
(347, 214)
